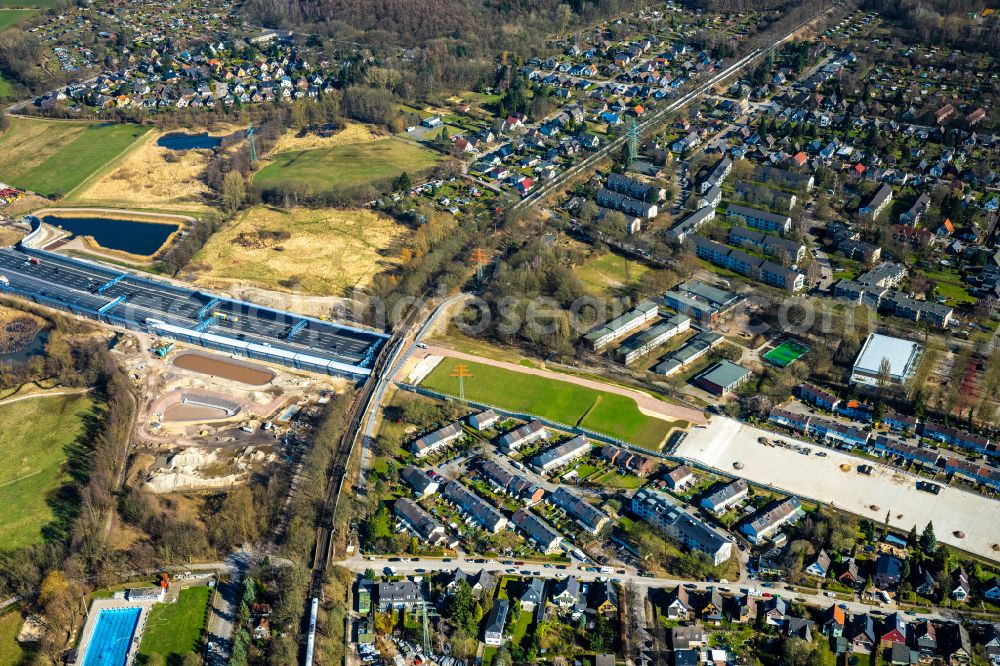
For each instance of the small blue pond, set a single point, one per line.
(23, 355)
(182, 141)
(132, 236)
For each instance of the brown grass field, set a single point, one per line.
(351, 134)
(145, 179)
(320, 252)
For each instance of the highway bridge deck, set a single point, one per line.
(162, 308)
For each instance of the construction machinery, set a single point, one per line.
(162, 347)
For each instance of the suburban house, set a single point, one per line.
(820, 566)
(396, 595)
(586, 515)
(720, 499)
(476, 509)
(604, 598)
(495, 622)
(887, 573)
(484, 420)
(437, 440)
(562, 454)
(522, 435)
(641, 466)
(418, 521)
(545, 537)
(481, 582)
(533, 594)
(768, 521)
(421, 482)
(678, 606)
(680, 478)
(832, 621)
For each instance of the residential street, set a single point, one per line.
(642, 585)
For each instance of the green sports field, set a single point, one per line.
(785, 354)
(173, 629)
(346, 166)
(53, 157)
(32, 461)
(600, 411)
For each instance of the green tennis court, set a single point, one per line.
(785, 354)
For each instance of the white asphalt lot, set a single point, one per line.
(725, 441)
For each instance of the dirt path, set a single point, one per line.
(647, 404)
(46, 394)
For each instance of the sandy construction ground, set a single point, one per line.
(725, 441)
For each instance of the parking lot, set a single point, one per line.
(725, 442)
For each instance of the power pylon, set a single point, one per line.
(253, 145)
(479, 258)
(461, 371)
(632, 136)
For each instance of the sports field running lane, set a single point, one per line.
(647, 404)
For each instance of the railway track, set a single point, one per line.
(658, 117)
(353, 431)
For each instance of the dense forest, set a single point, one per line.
(956, 23)
(471, 23)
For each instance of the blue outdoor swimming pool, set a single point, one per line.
(112, 637)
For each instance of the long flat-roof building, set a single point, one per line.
(901, 360)
(646, 341)
(562, 454)
(586, 515)
(544, 535)
(474, 507)
(683, 229)
(760, 219)
(692, 350)
(701, 301)
(662, 512)
(623, 325)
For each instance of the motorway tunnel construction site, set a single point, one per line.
(192, 316)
